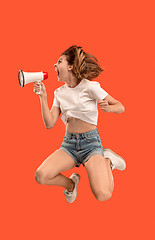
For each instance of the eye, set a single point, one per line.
(59, 61)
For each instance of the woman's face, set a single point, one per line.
(62, 68)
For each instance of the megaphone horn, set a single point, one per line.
(28, 77)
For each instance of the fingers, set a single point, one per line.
(37, 83)
(39, 89)
(37, 86)
(103, 103)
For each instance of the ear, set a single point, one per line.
(70, 67)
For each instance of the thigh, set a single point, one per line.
(98, 175)
(57, 162)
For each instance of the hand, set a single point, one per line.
(40, 87)
(104, 105)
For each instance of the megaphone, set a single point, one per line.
(28, 77)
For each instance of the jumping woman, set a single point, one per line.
(77, 101)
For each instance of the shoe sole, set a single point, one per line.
(116, 156)
(76, 187)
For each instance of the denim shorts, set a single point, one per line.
(81, 146)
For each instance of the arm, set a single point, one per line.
(55, 112)
(50, 117)
(109, 104)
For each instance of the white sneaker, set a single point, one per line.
(117, 161)
(71, 196)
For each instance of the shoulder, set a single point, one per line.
(59, 89)
(92, 84)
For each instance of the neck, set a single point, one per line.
(72, 82)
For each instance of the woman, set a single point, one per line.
(77, 101)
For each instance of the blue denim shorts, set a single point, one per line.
(81, 146)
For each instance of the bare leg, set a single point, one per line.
(48, 172)
(100, 177)
(111, 179)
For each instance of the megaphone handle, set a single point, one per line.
(40, 87)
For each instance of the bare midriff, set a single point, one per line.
(75, 125)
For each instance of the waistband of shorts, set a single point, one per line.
(82, 135)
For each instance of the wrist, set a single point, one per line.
(43, 97)
(116, 108)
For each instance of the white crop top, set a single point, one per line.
(80, 101)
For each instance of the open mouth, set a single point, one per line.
(57, 72)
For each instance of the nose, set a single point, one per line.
(55, 65)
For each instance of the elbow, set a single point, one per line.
(49, 126)
(123, 109)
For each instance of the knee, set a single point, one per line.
(40, 176)
(103, 195)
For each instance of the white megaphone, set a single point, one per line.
(28, 77)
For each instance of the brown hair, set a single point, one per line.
(85, 65)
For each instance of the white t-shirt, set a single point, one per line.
(80, 101)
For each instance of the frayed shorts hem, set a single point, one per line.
(98, 152)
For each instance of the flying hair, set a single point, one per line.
(85, 65)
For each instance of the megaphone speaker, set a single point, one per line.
(28, 77)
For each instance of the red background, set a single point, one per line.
(121, 35)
